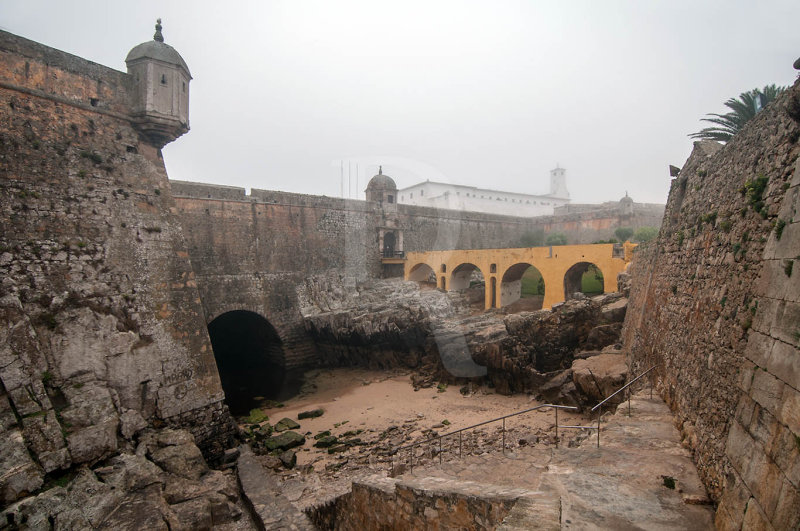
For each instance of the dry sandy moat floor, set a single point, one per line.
(382, 411)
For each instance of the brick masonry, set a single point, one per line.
(715, 303)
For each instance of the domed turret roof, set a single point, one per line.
(627, 199)
(158, 50)
(381, 182)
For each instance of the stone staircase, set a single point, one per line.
(640, 478)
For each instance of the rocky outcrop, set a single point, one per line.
(599, 376)
(163, 483)
(102, 331)
(391, 323)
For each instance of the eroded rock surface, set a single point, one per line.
(163, 483)
(392, 323)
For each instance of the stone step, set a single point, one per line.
(624, 484)
(262, 494)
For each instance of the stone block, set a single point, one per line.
(763, 427)
(785, 451)
(766, 315)
(790, 409)
(747, 374)
(739, 447)
(759, 347)
(790, 205)
(730, 512)
(767, 391)
(787, 511)
(785, 325)
(784, 363)
(755, 518)
(764, 479)
(745, 410)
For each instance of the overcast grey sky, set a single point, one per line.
(491, 93)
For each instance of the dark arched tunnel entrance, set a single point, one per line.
(250, 361)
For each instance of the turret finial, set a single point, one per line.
(158, 36)
(380, 170)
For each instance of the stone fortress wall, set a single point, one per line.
(110, 272)
(253, 251)
(102, 329)
(715, 303)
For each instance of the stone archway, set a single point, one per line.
(469, 278)
(424, 274)
(250, 360)
(522, 287)
(389, 245)
(583, 277)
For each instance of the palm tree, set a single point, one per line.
(742, 110)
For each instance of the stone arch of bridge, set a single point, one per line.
(422, 272)
(461, 278)
(511, 282)
(573, 278)
(552, 262)
(250, 359)
(462, 274)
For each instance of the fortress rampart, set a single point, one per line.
(103, 330)
(715, 305)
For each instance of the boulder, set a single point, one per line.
(131, 423)
(285, 441)
(310, 414)
(183, 460)
(288, 458)
(174, 451)
(286, 424)
(325, 441)
(599, 376)
(130, 472)
(614, 312)
(559, 389)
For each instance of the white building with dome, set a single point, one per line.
(471, 198)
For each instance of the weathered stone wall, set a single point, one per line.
(254, 251)
(427, 503)
(102, 330)
(715, 304)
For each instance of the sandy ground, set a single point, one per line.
(372, 401)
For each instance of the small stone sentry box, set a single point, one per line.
(160, 90)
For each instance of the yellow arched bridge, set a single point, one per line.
(561, 268)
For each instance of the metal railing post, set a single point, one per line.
(629, 401)
(556, 426)
(459, 444)
(599, 414)
(440, 450)
(504, 435)
(411, 460)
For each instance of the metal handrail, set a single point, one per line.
(609, 397)
(458, 432)
(555, 407)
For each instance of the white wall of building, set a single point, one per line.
(456, 197)
(459, 197)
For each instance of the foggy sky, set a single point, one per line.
(491, 94)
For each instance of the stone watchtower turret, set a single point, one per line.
(160, 90)
(381, 188)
